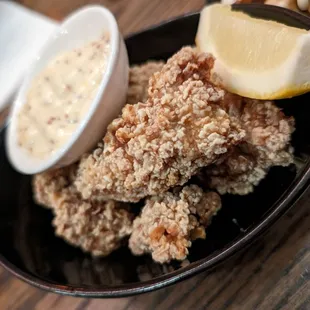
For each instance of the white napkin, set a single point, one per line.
(22, 33)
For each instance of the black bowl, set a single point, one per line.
(30, 250)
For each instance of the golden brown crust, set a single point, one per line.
(48, 186)
(168, 223)
(161, 143)
(139, 76)
(97, 227)
(267, 144)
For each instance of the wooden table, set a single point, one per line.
(273, 274)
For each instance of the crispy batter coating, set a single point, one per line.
(94, 226)
(168, 223)
(267, 144)
(48, 186)
(161, 143)
(139, 76)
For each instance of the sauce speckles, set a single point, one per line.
(60, 96)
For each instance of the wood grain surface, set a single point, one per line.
(274, 273)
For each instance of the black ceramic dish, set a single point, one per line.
(30, 250)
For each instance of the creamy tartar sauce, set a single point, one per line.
(60, 96)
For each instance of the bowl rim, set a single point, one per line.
(280, 207)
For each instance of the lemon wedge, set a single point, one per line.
(254, 58)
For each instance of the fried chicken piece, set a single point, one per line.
(168, 223)
(161, 143)
(139, 76)
(48, 186)
(98, 227)
(267, 144)
(237, 174)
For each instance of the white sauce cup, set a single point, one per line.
(87, 24)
